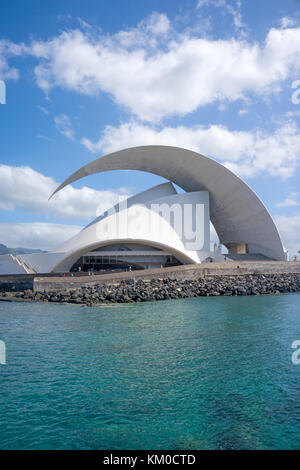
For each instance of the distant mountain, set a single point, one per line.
(4, 250)
(23, 251)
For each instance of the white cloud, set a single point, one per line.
(29, 190)
(215, 3)
(291, 114)
(43, 110)
(222, 107)
(291, 201)
(201, 3)
(232, 8)
(277, 153)
(45, 137)
(155, 72)
(157, 24)
(8, 49)
(289, 229)
(248, 153)
(242, 112)
(287, 22)
(44, 236)
(64, 126)
(148, 34)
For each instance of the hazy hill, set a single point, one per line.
(4, 250)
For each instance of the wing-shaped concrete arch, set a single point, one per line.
(236, 212)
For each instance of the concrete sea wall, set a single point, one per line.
(251, 278)
(38, 283)
(16, 282)
(191, 271)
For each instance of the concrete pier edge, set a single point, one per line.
(45, 282)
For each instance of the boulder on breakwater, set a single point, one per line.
(131, 290)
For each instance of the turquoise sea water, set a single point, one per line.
(208, 373)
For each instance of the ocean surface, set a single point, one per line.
(207, 373)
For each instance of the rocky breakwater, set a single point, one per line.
(163, 289)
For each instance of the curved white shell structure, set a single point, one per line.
(236, 212)
(159, 223)
(158, 218)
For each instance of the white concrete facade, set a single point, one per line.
(139, 222)
(10, 264)
(236, 212)
(163, 219)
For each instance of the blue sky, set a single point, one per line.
(86, 78)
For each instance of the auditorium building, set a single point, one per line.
(163, 226)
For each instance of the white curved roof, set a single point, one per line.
(236, 212)
(138, 221)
